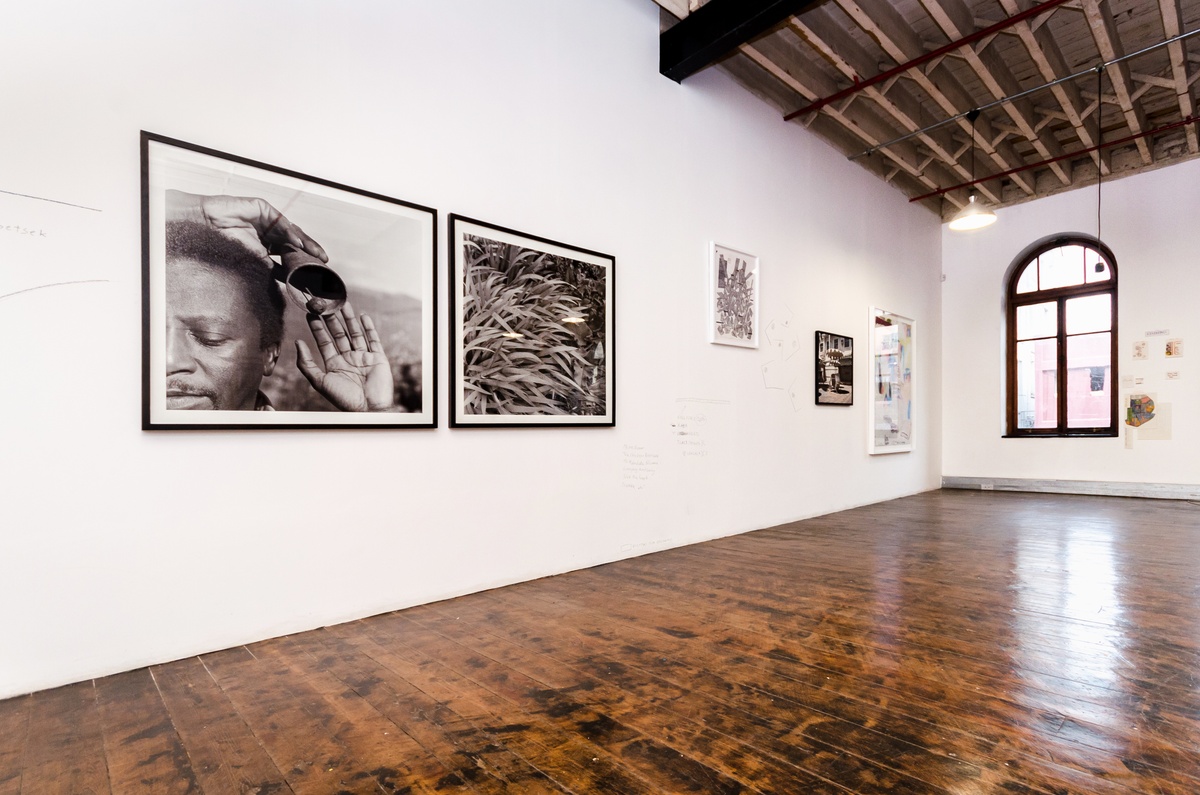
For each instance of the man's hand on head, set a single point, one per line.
(253, 222)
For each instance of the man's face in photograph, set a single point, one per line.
(216, 357)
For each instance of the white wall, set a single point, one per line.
(1148, 221)
(122, 548)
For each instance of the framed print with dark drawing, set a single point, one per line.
(272, 299)
(893, 346)
(732, 297)
(531, 330)
(835, 369)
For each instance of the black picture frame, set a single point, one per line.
(834, 364)
(382, 261)
(532, 330)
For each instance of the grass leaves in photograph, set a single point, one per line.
(533, 332)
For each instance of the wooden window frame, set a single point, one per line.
(1059, 295)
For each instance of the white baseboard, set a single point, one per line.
(1157, 491)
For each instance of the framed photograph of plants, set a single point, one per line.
(274, 299)
(835, 369)
(893, 345)
(531, 330)
(732, 297)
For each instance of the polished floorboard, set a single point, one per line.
(952, 642)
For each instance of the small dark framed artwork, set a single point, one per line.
(835, 369)
(273, 299)
(531, 330)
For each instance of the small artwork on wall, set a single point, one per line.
(835, 369)
(1140, 411)
(733, 297)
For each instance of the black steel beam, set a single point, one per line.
(716, 29)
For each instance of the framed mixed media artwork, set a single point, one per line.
(273, 299)
(893, 341)
(733, 297)
(531, 330)
(835, 369)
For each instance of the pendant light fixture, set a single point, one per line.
(977, 214)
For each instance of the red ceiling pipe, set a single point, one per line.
(929, 56)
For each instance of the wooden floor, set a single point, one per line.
(953, 642)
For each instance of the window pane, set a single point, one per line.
(1089, 380)
(1096, 268)
(1037, 384)
(1037, 320)
(1028, 281)
(1091, 313)
(1061, 267)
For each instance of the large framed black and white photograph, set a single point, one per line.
(732, 297)
(835, 369)
(273, 299)
(531, 330)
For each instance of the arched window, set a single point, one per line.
(1062, 340)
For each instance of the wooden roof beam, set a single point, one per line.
(821, 32)
(956, 21)
(1154, 81)
(805, 82)
(1048, 58)
(1172, 16)
(880, 19)
(1108, 42)
(677, 8)
(934, 54)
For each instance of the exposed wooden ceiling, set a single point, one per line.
(859, 54)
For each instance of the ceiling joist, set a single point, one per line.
(890, 83)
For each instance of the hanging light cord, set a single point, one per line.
(1099, 140)
(972, 115)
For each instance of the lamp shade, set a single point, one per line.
(975, 215)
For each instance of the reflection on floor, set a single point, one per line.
(952, 642)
